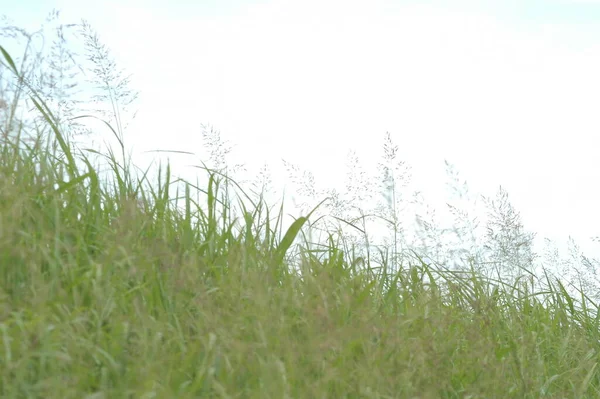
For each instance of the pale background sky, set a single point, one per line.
(508, 90)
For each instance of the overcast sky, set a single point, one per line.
(508, 91)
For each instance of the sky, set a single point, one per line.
(507, 91)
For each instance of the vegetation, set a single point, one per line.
(115, 285)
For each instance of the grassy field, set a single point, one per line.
(110, 290)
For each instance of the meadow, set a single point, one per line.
(110, 288)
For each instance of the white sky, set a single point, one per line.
(508, 91)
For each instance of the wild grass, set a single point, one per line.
(109, 289)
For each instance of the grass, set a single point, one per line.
(108, 290)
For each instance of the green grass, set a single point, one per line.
(110, 290)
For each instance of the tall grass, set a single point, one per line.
(111, 289)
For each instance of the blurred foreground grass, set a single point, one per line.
(109, 290)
